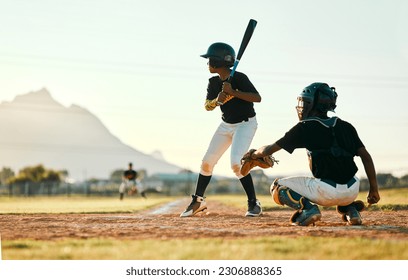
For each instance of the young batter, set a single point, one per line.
(235, 97)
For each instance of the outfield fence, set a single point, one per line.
(30, 189)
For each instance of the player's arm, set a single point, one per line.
(247, 96)
(210, 105)
(211, 100)
(250, 96)
(266, 150)
(373, 194)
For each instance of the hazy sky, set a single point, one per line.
(136, 66)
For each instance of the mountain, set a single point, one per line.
(36, 129)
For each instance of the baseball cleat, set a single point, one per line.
(198, 204)
(306, 217)
(351, 213)
(254, 208)
(353, 216)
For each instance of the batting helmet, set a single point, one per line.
(220, 54)
(317, 97)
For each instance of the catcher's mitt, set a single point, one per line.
(248, 162)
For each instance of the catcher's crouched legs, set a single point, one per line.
(306, 213)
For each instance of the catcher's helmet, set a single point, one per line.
(220, 54)
(317, 97)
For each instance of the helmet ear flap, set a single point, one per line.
(326, 98)
(228, 58)
(334, 98)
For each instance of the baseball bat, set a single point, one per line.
(245, 40)
(244, 43)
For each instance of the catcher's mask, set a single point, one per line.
(220, 55)
(316, 99)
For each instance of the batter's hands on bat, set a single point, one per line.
(223, 98)
(227, 88)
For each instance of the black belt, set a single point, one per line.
(334, 184)
(245, 119)
(240, 121)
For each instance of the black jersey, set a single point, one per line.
(236, 110)
(130, 175)
(319, 138)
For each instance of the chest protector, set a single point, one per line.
(334, 163)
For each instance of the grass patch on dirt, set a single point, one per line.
(265, 248)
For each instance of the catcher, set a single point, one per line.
(331, 145)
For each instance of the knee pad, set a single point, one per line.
(237, 170)
(274, 191)
(206, 168)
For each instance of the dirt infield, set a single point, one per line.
(219, 221)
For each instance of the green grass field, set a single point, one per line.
(279, 248)
(301, 248)
(78, 204)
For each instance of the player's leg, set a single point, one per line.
(241, 141)
(220, 142)
(140, 187)
(350, 212)
(320, 191)
(306, 213)
(121, 190)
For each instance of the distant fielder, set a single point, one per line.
(130, 183)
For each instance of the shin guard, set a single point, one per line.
(284, 196)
